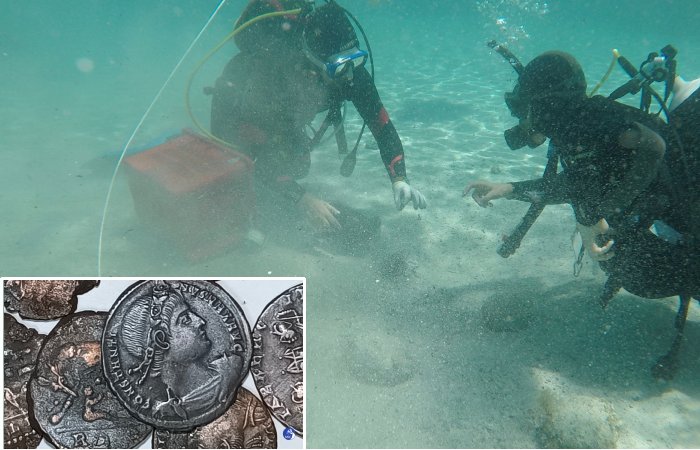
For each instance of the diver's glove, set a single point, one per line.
(404, 193)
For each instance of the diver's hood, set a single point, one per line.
(273, 33)
(553, 72)
(545, 89)
(328, 31)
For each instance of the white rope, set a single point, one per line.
(138, 127)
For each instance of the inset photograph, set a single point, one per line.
(154, 363)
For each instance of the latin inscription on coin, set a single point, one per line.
(71, 400)
(175, 351)
(278, 358)
(246, 424)
(20, 349)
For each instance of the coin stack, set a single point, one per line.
(169, 358)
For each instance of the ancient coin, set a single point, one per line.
(246, 424)
(9, 292)
(86, 286)
(20, 349)
(278, 358)
(175, 351)
(70, 399)
(44, 299)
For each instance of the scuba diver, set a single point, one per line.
(616, 175)
(290, 68)
(628, 177)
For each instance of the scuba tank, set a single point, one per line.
(684, 121)
(684, 118)
(682, 90)
(683, 134)
(683, 113)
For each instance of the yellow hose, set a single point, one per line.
(616, 55)
(216, 49)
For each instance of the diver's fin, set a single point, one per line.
(348, 165)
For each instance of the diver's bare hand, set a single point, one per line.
(320, 213)
(485, 191)
(589, 235)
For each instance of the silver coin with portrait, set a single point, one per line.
(175, 351)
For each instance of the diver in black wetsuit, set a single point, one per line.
(289, 69)
(616, 177)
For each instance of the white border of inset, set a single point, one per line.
(253, 294)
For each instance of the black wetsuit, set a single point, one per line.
(599, 182)
(262, 105)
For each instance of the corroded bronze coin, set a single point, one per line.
(44, 299)
(278, 358)
(70, 399)
(246, 424)
(86, 286)
(20, 349)
(175, 351)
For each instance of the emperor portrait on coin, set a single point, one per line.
(175, 351)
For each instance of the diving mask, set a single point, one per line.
(519, 136)
(523, 134)
(338, 65)
(517, 104)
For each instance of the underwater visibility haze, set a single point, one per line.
(423, 337)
